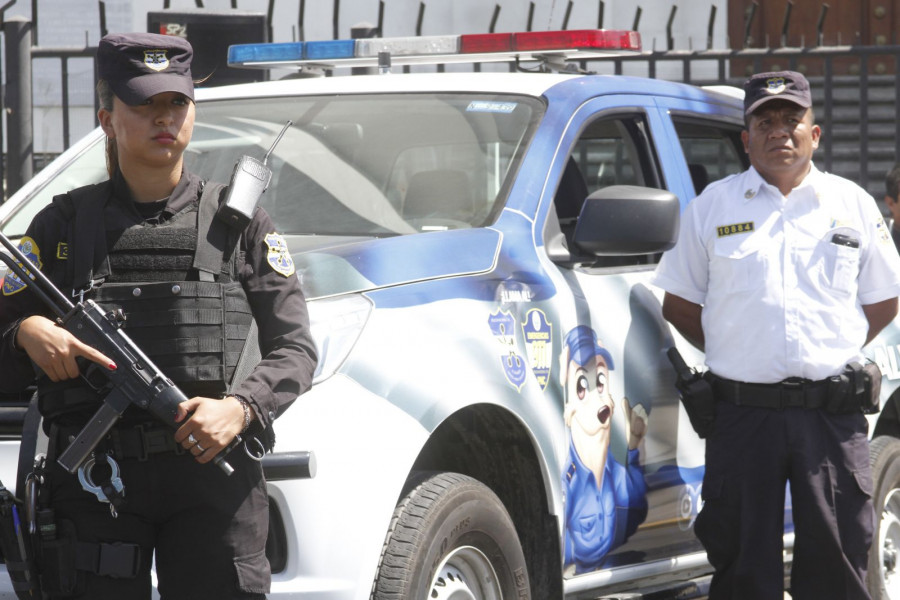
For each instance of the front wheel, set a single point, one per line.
(451, 538)
(884, 569)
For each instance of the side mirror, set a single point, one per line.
(626, 220)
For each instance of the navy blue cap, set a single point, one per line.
(777, 85)
(140, 65)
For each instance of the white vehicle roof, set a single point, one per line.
(531, 84)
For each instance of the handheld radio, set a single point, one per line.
(249, 180)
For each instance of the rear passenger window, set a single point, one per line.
(712, 150)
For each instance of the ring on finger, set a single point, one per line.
(192, 439)
(200, 448)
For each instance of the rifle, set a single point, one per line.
(136, 380)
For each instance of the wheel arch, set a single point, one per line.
(888, 422)
(492, 445)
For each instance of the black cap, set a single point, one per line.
(140, 65)
(778, 85)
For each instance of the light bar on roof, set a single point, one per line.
(408, 46)
(469, 48)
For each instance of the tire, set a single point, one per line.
(451, 537)
(884, 557)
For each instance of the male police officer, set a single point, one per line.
(147, 242)
(783, 273)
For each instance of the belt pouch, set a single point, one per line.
(59, 576)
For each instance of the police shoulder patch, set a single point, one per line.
(12, 283)
(278, 256)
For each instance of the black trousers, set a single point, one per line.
(750, 457)
(208, 530)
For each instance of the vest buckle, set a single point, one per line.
(76, 293)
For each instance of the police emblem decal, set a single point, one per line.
(278, 256)
(775, 85)
(503, 326)
(538, 345)
(12, 283)
(156, 60)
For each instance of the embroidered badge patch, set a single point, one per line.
(881, 230)
(12, 283)
(775, 85)
(156, 59)
(724, 230)
(278, 255)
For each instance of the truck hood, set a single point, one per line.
(329, 267)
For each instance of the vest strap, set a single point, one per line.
(85, 206)
(212, 247)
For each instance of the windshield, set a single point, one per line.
(370, 165)
(353, 165)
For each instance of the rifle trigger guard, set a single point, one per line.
(87, 483)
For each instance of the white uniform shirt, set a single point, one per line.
(781, 298)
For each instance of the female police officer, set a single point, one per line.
(145, 241)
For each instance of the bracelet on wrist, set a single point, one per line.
(246, 407)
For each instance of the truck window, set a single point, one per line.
(712, 150)
(610, 151)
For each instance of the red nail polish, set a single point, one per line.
(112, 366)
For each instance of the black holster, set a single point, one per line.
(59, 576)
(696, 395)
(62, 557)
(857, 388)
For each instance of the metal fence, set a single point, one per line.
(855, 104)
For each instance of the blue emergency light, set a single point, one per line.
(530, 45)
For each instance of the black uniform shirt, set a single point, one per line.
(279, 307)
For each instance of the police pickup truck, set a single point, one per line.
(493, 415)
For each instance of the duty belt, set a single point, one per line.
(790, 393)
(130, 441)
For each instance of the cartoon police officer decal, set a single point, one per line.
(605, 500)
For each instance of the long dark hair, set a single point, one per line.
(105, 96)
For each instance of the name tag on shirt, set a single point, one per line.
(724, 230)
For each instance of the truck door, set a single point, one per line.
(633, 465)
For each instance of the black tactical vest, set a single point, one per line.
(176, 283)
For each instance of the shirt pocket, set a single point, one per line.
(840, 266)
(739, 264)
